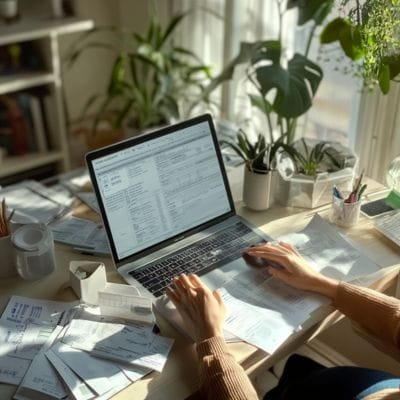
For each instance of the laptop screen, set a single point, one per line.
(160, 185)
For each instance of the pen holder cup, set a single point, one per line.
(345, 214)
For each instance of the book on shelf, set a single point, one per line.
(24, 123)
(38, 123)
(17, 124)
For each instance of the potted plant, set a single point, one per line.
(369, 34)
(259, 169)
(308, 169)
(152, 82)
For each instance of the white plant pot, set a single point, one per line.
(258, 189)
(7, 258)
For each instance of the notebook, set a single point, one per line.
(167, 207)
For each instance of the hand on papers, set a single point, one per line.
(295, 270)
(203, 311)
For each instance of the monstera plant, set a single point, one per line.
(284, 89)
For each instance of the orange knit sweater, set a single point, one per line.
(222, 378)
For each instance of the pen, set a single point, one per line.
(337, 193)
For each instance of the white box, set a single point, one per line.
(86, 279)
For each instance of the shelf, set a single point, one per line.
(24, 80)
(26, 29)
(15, 164)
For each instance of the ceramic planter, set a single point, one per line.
(299, 190)
(310, 192)
(258, 189)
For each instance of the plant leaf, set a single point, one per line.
(311, 9)
(295, 86)
(384, 78)
(331, 32)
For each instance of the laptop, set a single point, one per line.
(167, 207)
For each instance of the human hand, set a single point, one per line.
(202, 311)
(293, 268)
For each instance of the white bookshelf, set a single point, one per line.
(46, 33)
(14, 165)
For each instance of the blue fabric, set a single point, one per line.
(304, 378)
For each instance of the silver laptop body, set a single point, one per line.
(166, 194)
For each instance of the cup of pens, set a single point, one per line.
(346, 206)
(7, 253)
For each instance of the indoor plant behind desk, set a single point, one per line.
(259, 169)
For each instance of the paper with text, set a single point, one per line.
(265, 329)
(133, 343)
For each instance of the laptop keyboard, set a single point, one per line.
(200, 257)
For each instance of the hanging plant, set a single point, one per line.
(369, 34)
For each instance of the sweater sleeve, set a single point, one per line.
(221, 377)
(376, 312)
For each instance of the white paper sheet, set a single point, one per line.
(12, 370)
(81, 233)
(329, 252)
(21, 197)
(96, 373)
(133, 344)
(78, 388)
(90, 199)
(41, 377)
(265, 329)
(26, 324)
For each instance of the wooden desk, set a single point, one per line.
(179, 377)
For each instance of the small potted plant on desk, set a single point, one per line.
(259, 169)
(308, 169)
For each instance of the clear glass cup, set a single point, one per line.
(345, 214)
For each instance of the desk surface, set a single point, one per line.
(179, 377)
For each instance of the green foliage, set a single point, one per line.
(370, 32)
(152, 79)
(309, 160)
(284, 89)
(259, 156)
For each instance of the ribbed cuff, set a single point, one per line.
(212, 346)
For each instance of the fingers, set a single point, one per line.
(290, 247)
(217, 295)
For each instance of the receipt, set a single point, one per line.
(134, 343)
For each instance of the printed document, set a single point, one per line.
(133, 344)
(265, 329)
(25, 326)
(81, 233)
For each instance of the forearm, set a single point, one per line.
(379, 314)
(221, 377)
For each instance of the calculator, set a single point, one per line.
(376, 208)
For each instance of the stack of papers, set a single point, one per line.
(56, 350)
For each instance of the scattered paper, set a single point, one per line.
(133, 344)
(90, 199)
(79, 390)
(94, 372)
(81, 233)
(27, 200)
(265, 329)
(40, 377)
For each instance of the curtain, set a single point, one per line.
(378, 131)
